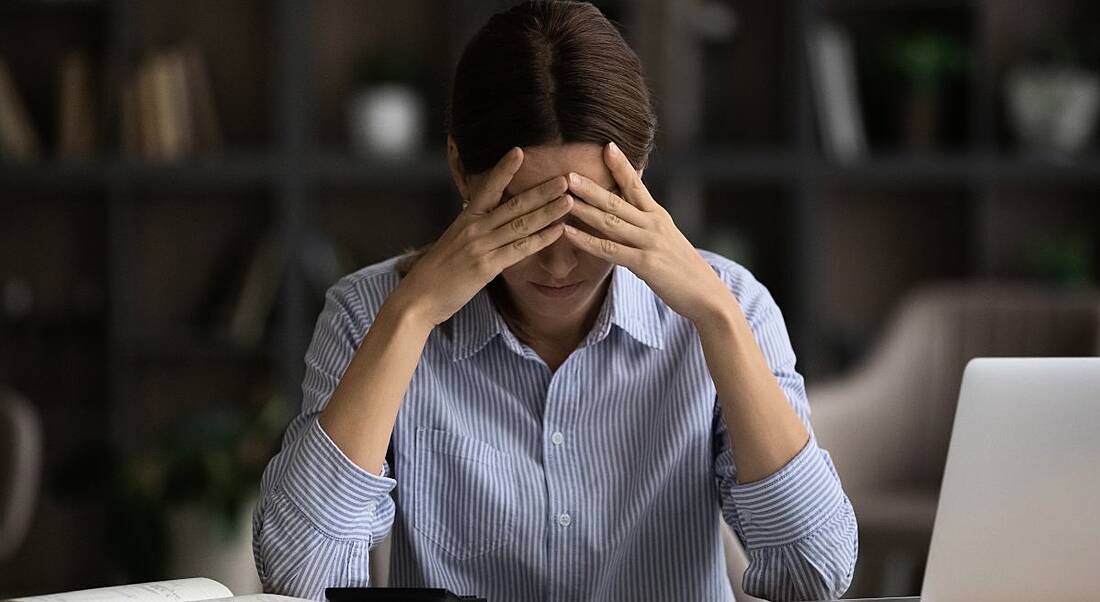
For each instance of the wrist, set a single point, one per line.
(408, 309)
(720, 312)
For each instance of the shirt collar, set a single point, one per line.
(629, 304)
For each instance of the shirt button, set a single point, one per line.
(557, 438)
(565, 520)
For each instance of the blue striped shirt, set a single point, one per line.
(603, 480)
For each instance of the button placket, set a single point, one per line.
(558, 419)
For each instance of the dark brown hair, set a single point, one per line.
(545, 72)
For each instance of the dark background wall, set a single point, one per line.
(114, 266)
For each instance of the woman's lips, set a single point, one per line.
(564, 291)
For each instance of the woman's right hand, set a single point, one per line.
(487, 237)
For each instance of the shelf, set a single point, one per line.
(237, 170)
(56, 175)
(1041, 171)
(910, 170)
(21, 8)
(430, 172)
(76, 327)
(234, 170)
(962, 168)
(898, 4)
(902, 169)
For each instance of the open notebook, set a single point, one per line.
(198, 589)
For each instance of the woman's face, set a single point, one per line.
(561, 263)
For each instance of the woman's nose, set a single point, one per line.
(559, 258)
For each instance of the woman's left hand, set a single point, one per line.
(639, 234)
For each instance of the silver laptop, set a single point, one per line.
(1019, 511)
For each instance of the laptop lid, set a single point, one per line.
(1019, 510)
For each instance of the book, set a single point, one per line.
(18, 138)
(833, 73)
(256, 298)
(131, 131)
(165, 103)
(75, 111)
(244, 292)
(196, 589)
(204, 116)
(179, 102)
(148, 121)
(168, 111)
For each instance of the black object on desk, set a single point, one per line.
(394, 594)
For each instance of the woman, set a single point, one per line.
(562, 395)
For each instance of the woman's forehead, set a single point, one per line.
(540, 163)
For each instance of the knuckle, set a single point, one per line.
(513, 204)
(611, 219)
(522, 243)
(519, 224)
(471, 230)
(483, 265)
(614, 202)
(608, 246)
(477, 246)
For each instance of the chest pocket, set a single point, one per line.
(463, 494)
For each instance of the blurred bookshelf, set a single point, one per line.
(125, 254)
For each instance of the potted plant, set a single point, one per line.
(387, 110)
(1053, 95)
(925, 63)
(1066, 258)
(182, 507)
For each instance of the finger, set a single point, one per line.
(602, 198)
(630, 183)
(488, 196)
(529, 223)
(605, 249)
(527, 201)
(519, 250)
(611, 225)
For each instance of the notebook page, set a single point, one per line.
(175, 590)
(260, 598)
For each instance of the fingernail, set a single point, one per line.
(574, 179)
(615, 147)
(570, 229)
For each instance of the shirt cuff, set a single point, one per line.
(334, 492)
(791, 503)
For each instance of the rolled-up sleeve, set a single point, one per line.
(797, 525)
(319, 513)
